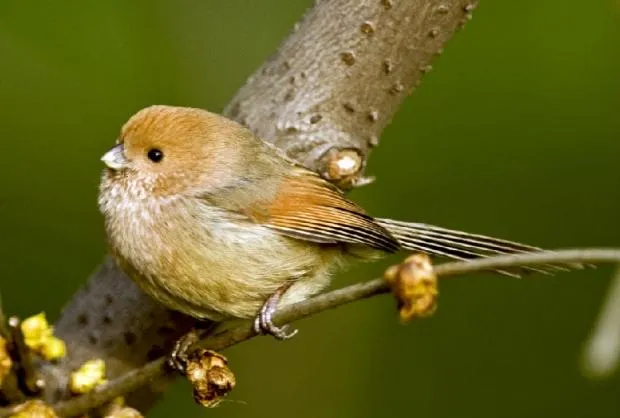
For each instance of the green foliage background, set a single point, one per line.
(514, 134)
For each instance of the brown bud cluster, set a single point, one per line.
(414, 285)
(210, 376)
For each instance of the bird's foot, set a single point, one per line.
(180, 353)
(179, 356)
(263, 323)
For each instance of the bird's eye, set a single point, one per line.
(155, 155)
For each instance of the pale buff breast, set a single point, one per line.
(204, 261)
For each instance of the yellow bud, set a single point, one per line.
(34, 409)
(5, 361)
(53, 348)
(117, 409)
(87, 377)
(414, 284)
(36, 330)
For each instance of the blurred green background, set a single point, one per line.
(514, 134)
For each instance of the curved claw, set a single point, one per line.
(263, 323)
(179, 356)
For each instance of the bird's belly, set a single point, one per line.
(229, 270)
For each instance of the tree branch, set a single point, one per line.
(324, 98)
(601, 354)
(4, 330)
(337, 81)
(137, 378)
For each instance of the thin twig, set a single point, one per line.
(22, 355)
(4, 330)
(138, 377)
(601, 355)
(10, 385)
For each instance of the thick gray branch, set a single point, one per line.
(337, 81)
(324, 98)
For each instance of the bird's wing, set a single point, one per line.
(307, 207)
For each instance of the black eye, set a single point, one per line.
(155, 155)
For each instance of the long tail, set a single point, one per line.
(459, 245)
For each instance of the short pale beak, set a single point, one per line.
(115, 158)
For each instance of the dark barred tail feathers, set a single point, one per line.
(459, 245)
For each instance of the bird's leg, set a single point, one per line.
(263, 323)
(180, 353)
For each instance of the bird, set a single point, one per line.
(218, 224)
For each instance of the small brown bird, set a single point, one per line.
(216, 223)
